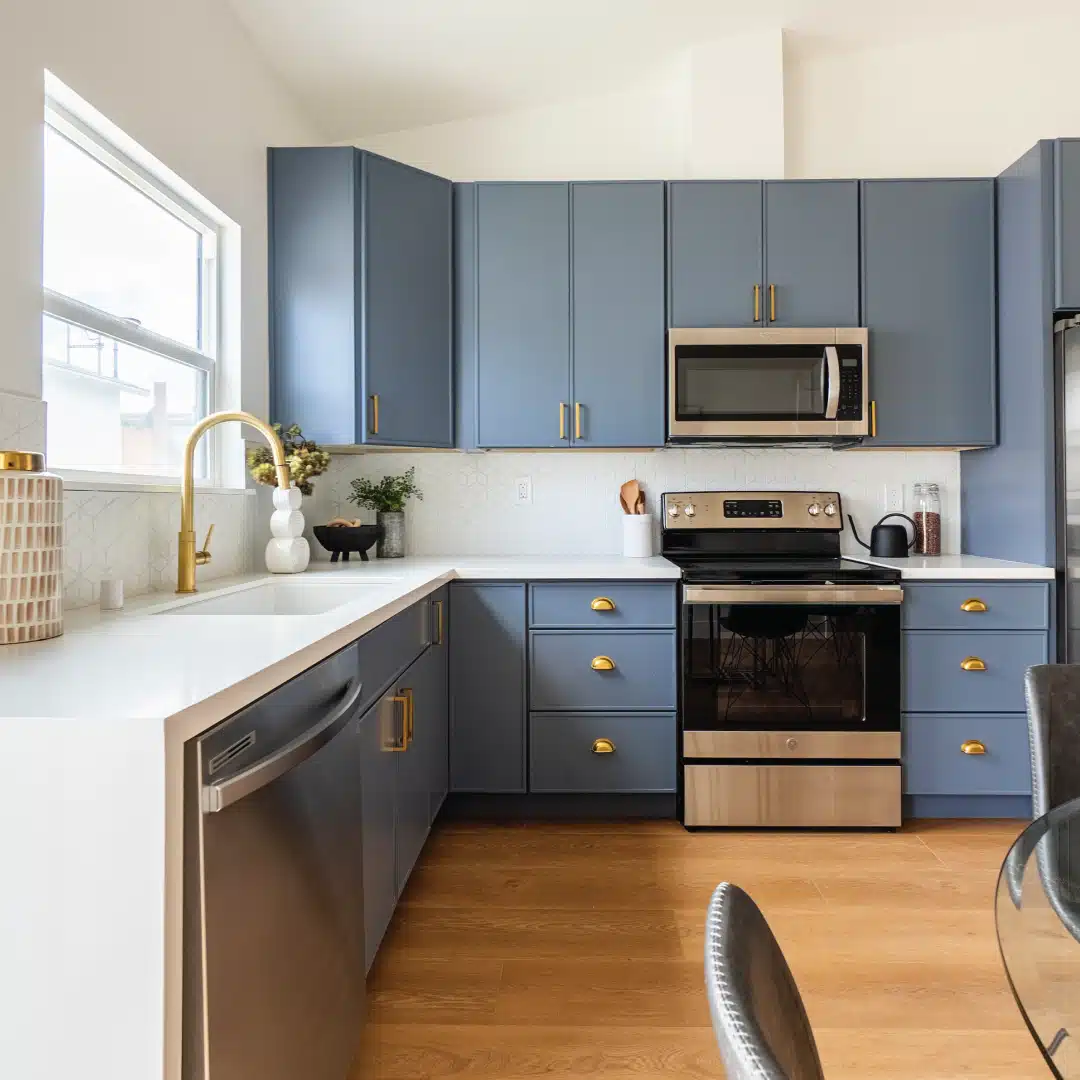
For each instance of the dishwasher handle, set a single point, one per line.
(217, 797)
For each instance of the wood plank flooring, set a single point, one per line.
(571, 951)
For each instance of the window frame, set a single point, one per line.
(67, 309)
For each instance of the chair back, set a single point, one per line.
(1053, 704)
(761, 1026)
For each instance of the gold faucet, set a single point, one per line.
(187, 558)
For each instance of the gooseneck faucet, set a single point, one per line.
(187, 558)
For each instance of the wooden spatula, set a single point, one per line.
(629, 494)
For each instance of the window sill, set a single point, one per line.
(81, 481)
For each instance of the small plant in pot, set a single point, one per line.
(387, 498)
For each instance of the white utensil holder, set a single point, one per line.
(288, 551)
(637, 535)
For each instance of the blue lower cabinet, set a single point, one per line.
(959, 754)
(601, 605)
(575, 753)
(977, 605)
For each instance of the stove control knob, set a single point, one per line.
(830, 509)
(813, 509)
(690, 510)
(672, 511)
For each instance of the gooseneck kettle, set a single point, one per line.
(887, 541)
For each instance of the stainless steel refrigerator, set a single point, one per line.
(1067, 468)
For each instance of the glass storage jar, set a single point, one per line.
(927, 515)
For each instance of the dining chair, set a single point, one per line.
(761, 1026)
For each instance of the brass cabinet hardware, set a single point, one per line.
(562, 419)
(974, 604)
(973, 663)
(410, 715)
(972, 746)
(757, 303)
(577, 419)
(202, 557)
(437, 605)
(603, 603)
(374, 414)
(401, 747)
(602, 663)
(603, 746)
(873, 419)
(772, 303)
(792, 744)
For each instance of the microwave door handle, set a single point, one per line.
(832, 364)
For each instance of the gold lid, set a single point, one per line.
(21, 461)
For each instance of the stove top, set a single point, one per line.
(779, 570)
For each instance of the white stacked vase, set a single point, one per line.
(288, 551)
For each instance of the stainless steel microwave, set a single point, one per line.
(767, 384)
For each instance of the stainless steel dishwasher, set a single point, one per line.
(273, 911)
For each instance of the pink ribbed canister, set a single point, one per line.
(31, 549)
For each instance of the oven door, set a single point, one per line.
(771, 384)
(783, 659)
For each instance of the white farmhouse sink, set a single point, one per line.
(280, 598)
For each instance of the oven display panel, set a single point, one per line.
(753, 508)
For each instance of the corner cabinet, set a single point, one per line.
(1067, 224)
(560, 314)
(928, 271)
(360, 298)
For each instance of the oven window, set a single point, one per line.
(765, 667)
(746, 382)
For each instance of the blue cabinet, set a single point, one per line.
(1067, 224)
(928, 298)
(360, 298)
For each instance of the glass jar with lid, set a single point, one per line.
(927, 515)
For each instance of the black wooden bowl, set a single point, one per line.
(343, 540)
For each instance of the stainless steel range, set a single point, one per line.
(790, 664)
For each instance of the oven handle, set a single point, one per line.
(832, 362)
(793, 594)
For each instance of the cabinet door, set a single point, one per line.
(715, 252)
(438, 703)
(417, 686)
(523, 315)
(618, 320)
(928, 299)
(811, 253)
(380, 731)
(487, 688)
(1067, 223)
(406, 289)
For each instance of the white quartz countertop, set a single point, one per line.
(163, 659)
(961, 568)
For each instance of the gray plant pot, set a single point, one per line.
(392, 537)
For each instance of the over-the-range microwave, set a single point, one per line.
(768, 385)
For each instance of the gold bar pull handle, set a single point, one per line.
(577, 419)
(603, 746)
(873, 419)
(603, 603)
(772, 303)
(602, 663)
(973, 746)
(973, 663)
(202, 557)
(438, 605)
(410, 716)
(562, 419)
(374, 414)
(400, 747)
(973, 605)
(757, 303)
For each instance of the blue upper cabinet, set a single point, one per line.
(715, 256)
(522, 304)
(811, 253)
(929, 302)
(360, 298)
(1067, 224)
(617, 257)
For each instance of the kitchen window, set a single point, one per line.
(130, 338)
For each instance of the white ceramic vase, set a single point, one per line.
(288, 551)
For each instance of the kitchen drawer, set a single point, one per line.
(1009, 606)
(563, 753)
(935, 764)
(386, 651)
(935, 682)
(562, 675)
(634, 604)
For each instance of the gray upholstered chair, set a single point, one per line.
(1053, 704)
(758, 1016)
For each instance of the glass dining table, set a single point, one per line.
(1037, 910)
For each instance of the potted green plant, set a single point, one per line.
(388, 498)
(305, 459)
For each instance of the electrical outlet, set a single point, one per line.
(523, 490)
(893, 498)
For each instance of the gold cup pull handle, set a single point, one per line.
(973, 663)
(603, 603)
(603, 746)
(202, 556)
(602, 663)
(973, 605)
(973, 746)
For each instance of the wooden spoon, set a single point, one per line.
(628, 496)
(639, 506)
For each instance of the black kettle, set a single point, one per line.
(887, 541)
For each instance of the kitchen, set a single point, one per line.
(530, 293)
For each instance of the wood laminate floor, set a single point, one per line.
(575, 951)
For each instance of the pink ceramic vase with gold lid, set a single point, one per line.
(31, 549)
